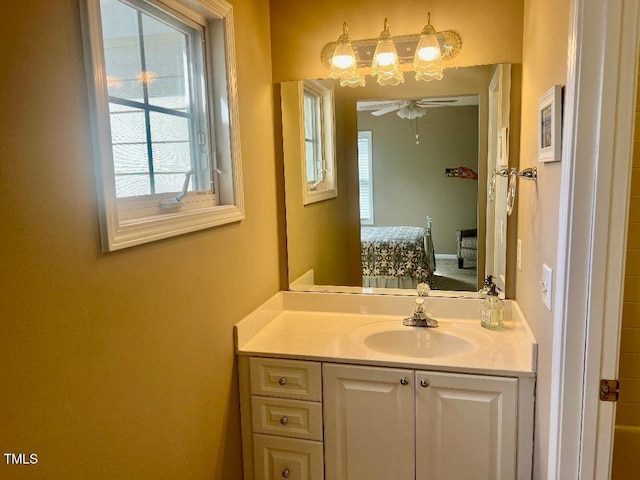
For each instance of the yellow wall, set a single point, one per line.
(491, 30)
(118, 365)
(627, 440)
(544, 64)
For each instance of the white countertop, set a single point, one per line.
(295, 325)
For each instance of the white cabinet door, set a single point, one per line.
(465, 427)
(369, 423)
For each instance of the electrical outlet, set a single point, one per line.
(546, 285)
(519, 256)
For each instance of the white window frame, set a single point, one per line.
(133, 221)
(326, 187)
(367, 134)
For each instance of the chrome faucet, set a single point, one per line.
(420, 317)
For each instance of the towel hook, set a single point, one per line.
(530, 173)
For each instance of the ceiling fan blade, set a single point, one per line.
(366, 106)
(392, 108)
(442, 102)
(435, 102)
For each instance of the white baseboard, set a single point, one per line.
(446, 256)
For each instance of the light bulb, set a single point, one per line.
(428, 54)
(342, 61)
(386, 59)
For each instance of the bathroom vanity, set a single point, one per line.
(333, 386)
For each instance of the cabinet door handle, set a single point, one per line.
(425, 382)
(285, 473)
(284, 420)
(404, 381)
(282, 381)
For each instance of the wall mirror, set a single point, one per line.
(416, 196)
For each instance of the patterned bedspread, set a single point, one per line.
(396, 252)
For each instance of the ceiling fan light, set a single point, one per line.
(343, 61)
(411, 112)
(427, 61)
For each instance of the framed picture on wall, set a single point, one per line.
(550, 125)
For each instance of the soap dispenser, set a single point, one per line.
(484, 291)
(492, 310)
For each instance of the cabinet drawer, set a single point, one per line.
(291, 418)
(277, 458)
(286, 378)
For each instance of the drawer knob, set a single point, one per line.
(424, 382)
(285, 473)
(282, 381)
(404, 381)
(284, 420)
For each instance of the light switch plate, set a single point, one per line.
(546, 285)
(519, 256)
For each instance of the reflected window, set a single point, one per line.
(313, 139)
(319, 145)
(365, 176)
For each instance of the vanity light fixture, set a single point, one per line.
(386, 57)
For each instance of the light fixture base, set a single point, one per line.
(450, 45)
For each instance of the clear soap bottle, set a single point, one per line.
(492, 310)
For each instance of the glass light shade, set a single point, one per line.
(355, 81)
(427, 61)
(343, 61)
(393, 80)
(385, 63)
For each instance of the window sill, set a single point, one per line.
(128, 233)
(313, 196)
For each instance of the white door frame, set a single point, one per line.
(594, 198)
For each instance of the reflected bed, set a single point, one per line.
(396, 257)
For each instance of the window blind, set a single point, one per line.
(365, 176)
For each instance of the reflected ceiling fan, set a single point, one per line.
(408, 109)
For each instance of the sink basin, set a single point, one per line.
(392, 338)
(418, 342)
